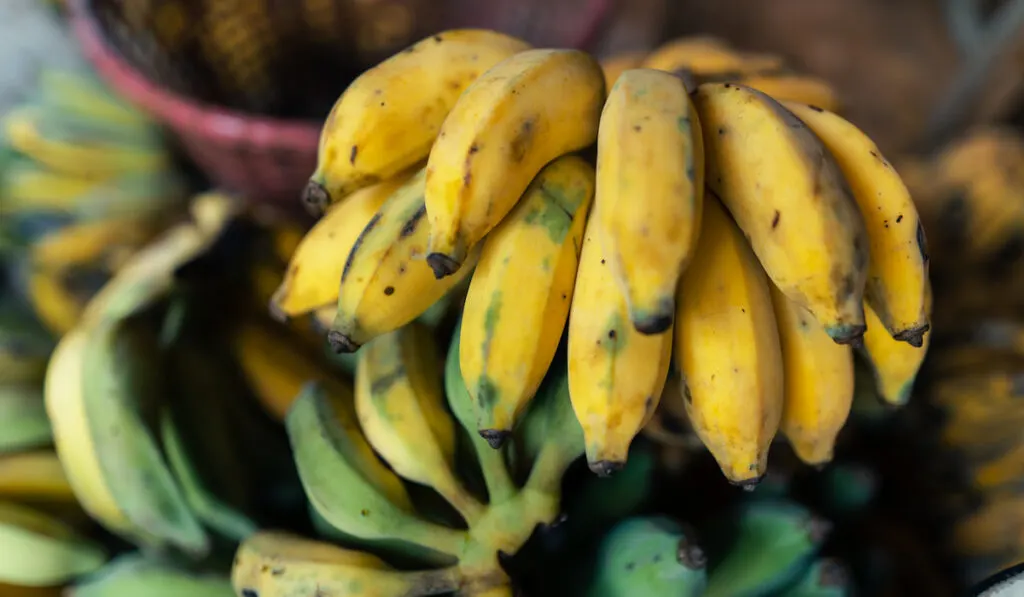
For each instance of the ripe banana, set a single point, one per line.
(499, 135)
(706, 55)
(40, 551)
(790, 199)
(277, 564)
(895, 364)
(23, 421)
(388, 118)
(520, 293)
(795, 88)
(385, 282)
(650, 188)
(898, 267)
(727, 350)
(35, 476)
(613, 66)
(133, 574)
(345, 481)
(616, 374)
(400, 404)
(817, 379)
(312, 278)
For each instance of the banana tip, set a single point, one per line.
(341, 343)
(495, 437)
(913, 336)
(847, 334)
(654, 324)
(606, 468)
(691, 555)
(442, 264)
(315, 197)
(749, 484)
(276, 312)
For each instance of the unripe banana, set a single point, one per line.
(727, 350)
(707, 55)
(388, 118)
(650, 187)
(520, 293)
(898, 268)
(613, 66)
(312, 278)
(795, 88)
(817, 379)
(85, 96)
(23, 421)
(401, 407)
(40, 551)
(616, 374)
(133, 574)
(385, 282)
(895, 364)
(503, 130)
(790, 199)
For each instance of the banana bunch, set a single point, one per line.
(85, 180)
(744, 242)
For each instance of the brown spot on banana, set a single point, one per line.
(523, 139)
(359, 242)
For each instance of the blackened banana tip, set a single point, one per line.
(653, 325)
(276, 313)
(913, 337)
(340, 343)
(316, 198)
(848, 334)
(750, 484)
(606, 468)
(690, 554)
(495, 438)
(442, 265)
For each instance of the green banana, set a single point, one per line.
(774, 545)
(346, 482)
(23, 420)
(132, 574)
(649, 556)
(39, 551)
(83, 95)
(825, 578)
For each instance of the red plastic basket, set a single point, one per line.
(269, 159)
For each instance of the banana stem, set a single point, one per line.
(467, 506)
(492, 462)
(434, 582)
(546, 474)
(442, 539)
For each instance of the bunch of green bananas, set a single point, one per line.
(743, 241)
(85, 179)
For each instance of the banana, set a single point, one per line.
(550, 437)
(85, 96)
(774, 543)
(60, 296)
(650, 189)
(277, 564)
(707, 55)
(790, 199)
(40, 551)
(648, 556)
(34, 476)
(132, 574)
(817, 382)
(385, 282)
(23, 421)
(91, 242)
(795, 88)
(895, 364)
(388, 118)
(616, 374)
(97, 389)
(400, 404)
(345, 481)
(314, 272)
(615, 65)
(499, 135)
(520, 293)
(727, 350)
(898, 267)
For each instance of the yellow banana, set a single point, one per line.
(898, 267)
(895, 363)
(34, 476)
(727, 350)
(706, 55)
(277, 564)
(520, 293)
(312, 278)
(59, 297)
(616, 374)
(817, 382)
(276, 366)
(388, 118)
(91, 242)
(650, 187)
(615, 65)
(87, 97)
(385, 282)
(790, 199)
(402, 409)
(795, 88)
(503, 130)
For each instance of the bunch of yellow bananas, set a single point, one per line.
(754, 239)
(85, 179)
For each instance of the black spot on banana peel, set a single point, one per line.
(340, 343)
(606, 468)
(913, 336)
(495, 438)
(690, 554)
(316, 198)
(442, 265)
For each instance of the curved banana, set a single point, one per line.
(133, 574)
(23, 421)
(387, 119)
(795, 88)
(314, 272)
(898, 268)
(520, 293)
(650, 188)
(615, 65)
(385, 282)
(276, 564)
(817, 379)
(400, 404)
(727, 350)
(895, 364)
(790, 199)
(347, 483)
(34, 476)
(616, 374)
(707, 55)
(499, 135)
(40, 551)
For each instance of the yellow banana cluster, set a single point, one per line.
(812, 243)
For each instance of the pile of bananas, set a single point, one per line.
(742, 242)
(85, 179)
